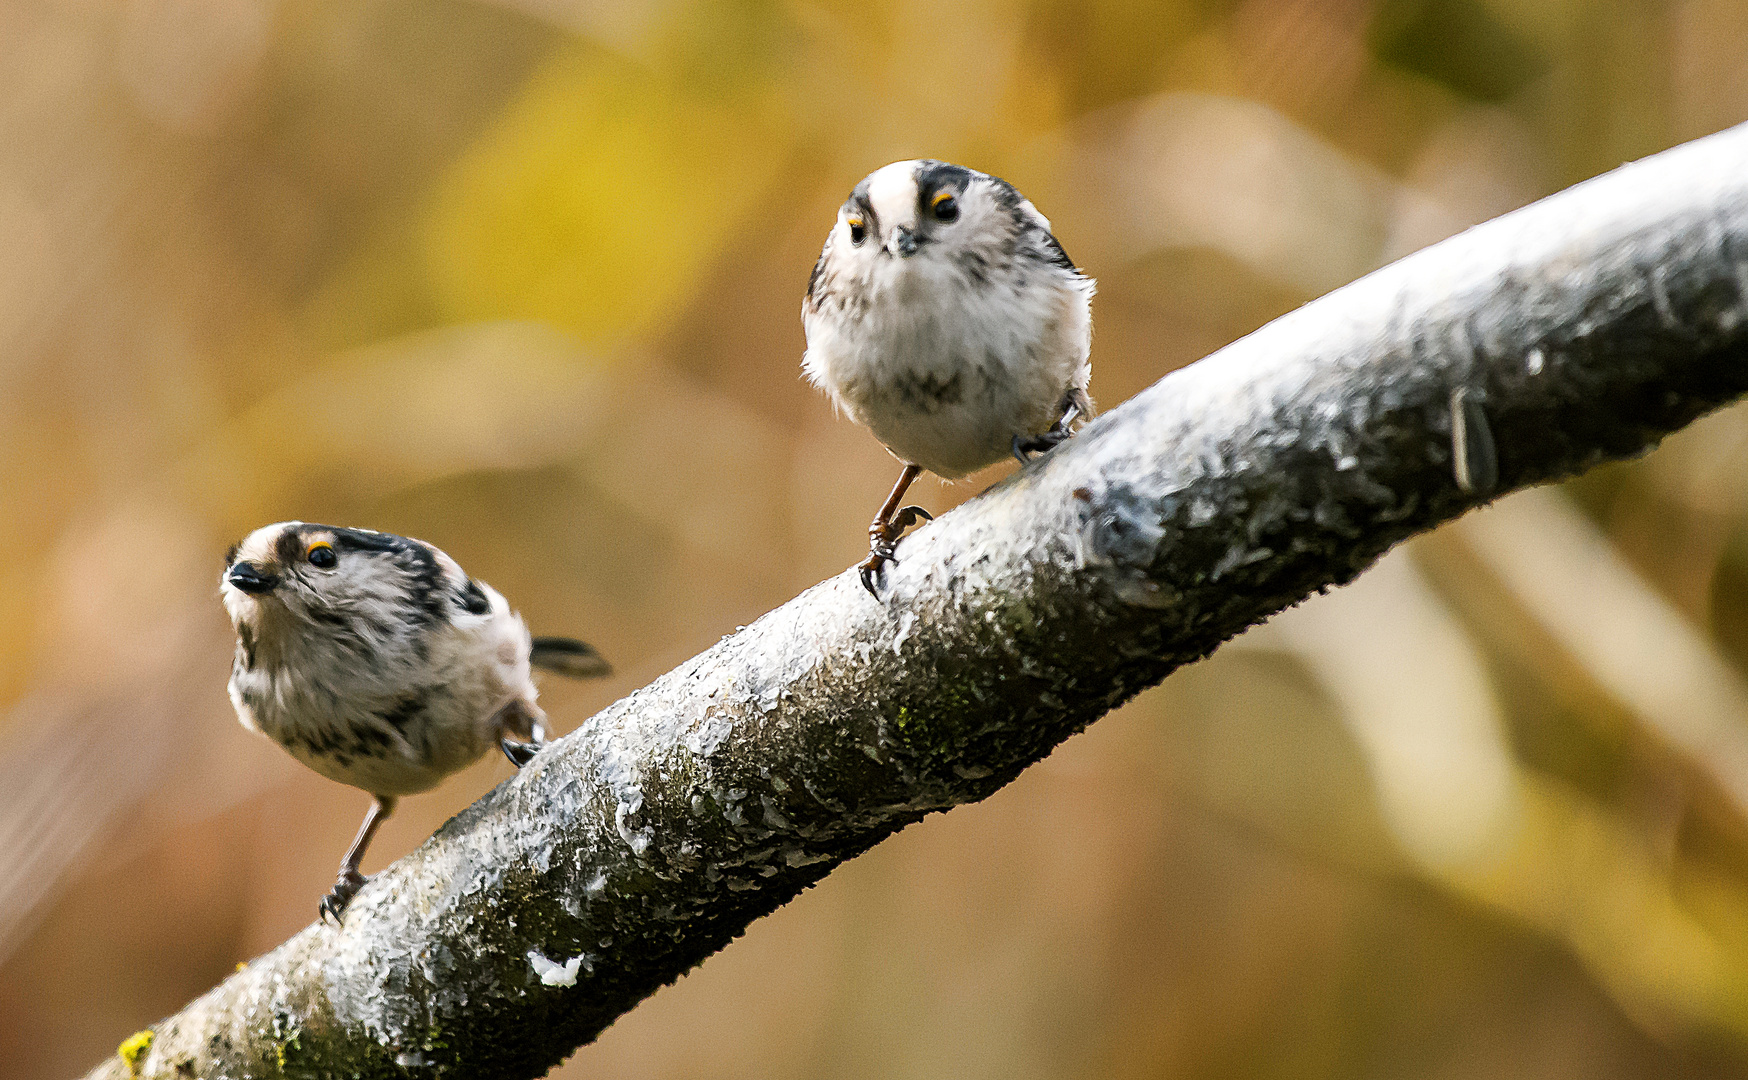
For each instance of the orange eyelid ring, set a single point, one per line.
(315, 546)
(854, 221)
(940, 197)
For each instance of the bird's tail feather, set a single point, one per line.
(569, 657)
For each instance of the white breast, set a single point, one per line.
(408, 721)
(945, 370)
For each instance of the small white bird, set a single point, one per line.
(944, 317)
(377, 662)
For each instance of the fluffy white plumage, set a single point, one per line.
(947, 335)
(375, 672)
(376, 661)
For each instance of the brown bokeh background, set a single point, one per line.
(523, 279)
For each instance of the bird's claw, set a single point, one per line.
(905, 518)
(346, 886)
(883, 545)
(1026, 445)
(870, 573)
(519, 753)
(880, 552)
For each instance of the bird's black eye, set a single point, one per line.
(945, 206)
(858, 231)
(321, 555)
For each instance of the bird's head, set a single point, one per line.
(295, 575)
(928, 210)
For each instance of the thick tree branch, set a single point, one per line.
(1581, 329)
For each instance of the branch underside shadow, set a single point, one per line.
(1576, 331)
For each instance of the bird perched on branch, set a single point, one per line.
(944, 317)
(376, 661)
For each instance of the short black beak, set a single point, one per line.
(904, 241)
(249, 578)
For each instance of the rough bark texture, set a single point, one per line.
(1578, 330)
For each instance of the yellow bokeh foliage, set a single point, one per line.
(598, 198)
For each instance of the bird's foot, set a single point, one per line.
(520, 753)
(883, 543)
(346, 886)
(1027, 445)
(878, 556)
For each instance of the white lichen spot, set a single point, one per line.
(637, 840)
(905, 624)
(1660, 298)
(553, 973)
(1534, 362)
(709, 734)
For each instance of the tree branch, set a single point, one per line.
(1580, 329)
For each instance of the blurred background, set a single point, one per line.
(523, 279)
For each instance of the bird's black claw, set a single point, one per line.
(870, 572)
(907, 517)
(883, 545)
(879, 554)
(346, 886)
(519, 753)
(1026, 445)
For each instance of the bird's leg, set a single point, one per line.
(888, 525)
(518, 718)
(1074, 406)
(348, 883)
